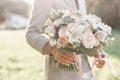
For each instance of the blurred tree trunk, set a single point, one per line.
(108, 10)
(13, 6)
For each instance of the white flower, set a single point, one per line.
(50, 29)
(88, 40)
(108, 29)
(92, 20)
(62, 32)
(75, 32)
(105, 28)
(101, 36)
(58, 22)
(52, 42)
(66, 13)
(75, 27)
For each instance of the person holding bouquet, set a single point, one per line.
(40, 11)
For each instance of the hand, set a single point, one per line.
(99, 63)
(63, 57)
(103, 55)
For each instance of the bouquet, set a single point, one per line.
(75, 33)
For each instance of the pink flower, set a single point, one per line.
(88, 40)
(101, 36)
(62, 41)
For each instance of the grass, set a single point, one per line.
(18, 61)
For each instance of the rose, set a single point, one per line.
(101, 36)
(62, 41)
(88, 40)
(74, 27)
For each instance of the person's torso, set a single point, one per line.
(64, 4)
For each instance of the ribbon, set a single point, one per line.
(106, 61)
(89, 73)
(80, 72)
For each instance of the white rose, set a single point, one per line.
(75, 32)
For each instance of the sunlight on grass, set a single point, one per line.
(18, 61)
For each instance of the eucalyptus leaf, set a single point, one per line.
(63, 26)
(86, 51)
(61, 49)
(61, 14)
(78, 44)
(70, 51)
(67, 19)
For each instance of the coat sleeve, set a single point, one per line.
(40, 11)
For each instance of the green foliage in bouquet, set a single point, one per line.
(79, 49)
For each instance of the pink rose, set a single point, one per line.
(88, 40)
(62, 41)
(101, 36)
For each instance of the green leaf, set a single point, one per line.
(86, 51)
(61, 14)
(78, 44)
(67, 19)
(61, 49)
(63, 26)
(69, 51)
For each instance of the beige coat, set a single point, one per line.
(40, 10)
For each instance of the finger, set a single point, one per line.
(67, 61)
(62, 61)
(103, 55)
(76, 56)
(99, 66)
(99, 63)
(68, 57)
(102, 62)
(95, 55)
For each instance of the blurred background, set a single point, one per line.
(18, 61)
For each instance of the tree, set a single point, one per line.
(108, 10)
(13, 6)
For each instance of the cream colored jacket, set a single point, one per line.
(40, 11)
